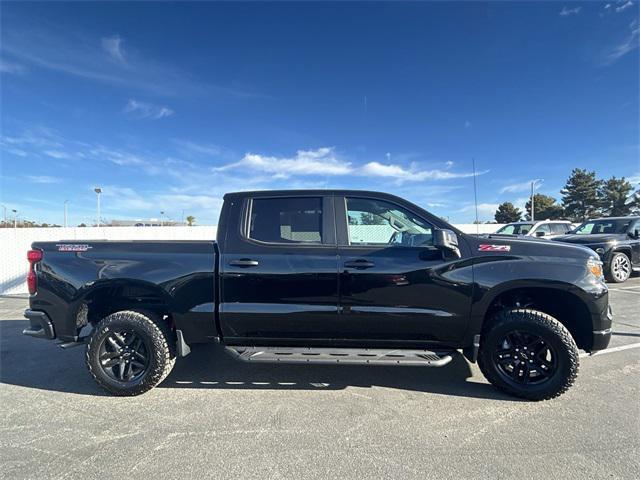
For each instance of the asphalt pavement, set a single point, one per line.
(214, 417)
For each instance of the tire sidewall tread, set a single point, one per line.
(553, 332)
(157, 336)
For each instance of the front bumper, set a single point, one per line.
(40, 325)
(601, 338)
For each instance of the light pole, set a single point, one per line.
(15, 217)
(65, 213)
(5, 214)
(98, 191)
(534, 184)
(161, 219)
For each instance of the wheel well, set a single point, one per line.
(565, 307)
(109, 299)
(626, 251)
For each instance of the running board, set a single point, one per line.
(351, 356)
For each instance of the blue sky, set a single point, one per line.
(169, 106)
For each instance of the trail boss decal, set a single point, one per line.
(494, 248)
(73, 247)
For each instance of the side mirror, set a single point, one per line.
(540, 234)
(635, 234)
(447, 240)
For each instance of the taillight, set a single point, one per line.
(34, 256)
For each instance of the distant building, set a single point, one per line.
(152, 222)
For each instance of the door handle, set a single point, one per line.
(244, 262)
(359, 264)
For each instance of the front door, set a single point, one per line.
(278, 271)
(394, 284)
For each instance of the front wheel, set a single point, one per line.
(130, 352)
(619, 268)
(528, 354)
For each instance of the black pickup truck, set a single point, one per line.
(332, 277)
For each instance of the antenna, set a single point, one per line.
(475, 195)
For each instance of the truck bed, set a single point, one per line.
(179, 275)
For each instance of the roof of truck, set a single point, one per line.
(319, 191)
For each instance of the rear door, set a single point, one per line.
(278, 267)
(395, 286)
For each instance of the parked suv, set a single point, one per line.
(615, 239)
(544, 228)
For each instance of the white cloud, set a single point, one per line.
(42, 179)
(147, 110)
(117, 157)
(206, 149)
(113, 46)
(517, 187)
(565, 12)
(627, 45)
(105, 60)
(624, 6)
(483, 208)
(322, 161)
(11, 67)
(412, 174)
(57, 154)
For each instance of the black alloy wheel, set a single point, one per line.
(124, 356)
(525, 358)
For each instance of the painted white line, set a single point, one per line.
(626, 291)
(624, 288)
(612, 350)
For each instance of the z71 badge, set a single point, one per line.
(73, 247)
(494, 248)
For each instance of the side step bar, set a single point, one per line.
(350, 356)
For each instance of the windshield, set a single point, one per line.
(594, 227)
(516, 229)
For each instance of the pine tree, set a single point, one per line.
(507, 213)
(616, 197)
(546, 208)
(580, 197)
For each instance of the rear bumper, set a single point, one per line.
(40, 325)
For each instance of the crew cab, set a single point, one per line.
(324, 276)
(615, 239)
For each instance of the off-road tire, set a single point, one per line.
(532, 322)
(158, 340)
(613, 261)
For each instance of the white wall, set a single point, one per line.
(14, 243)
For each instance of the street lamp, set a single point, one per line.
(15, 217)
(161, 219)
(5, 214)
(534, 183)
(98, 191)
(65, 213)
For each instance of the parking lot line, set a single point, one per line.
(612, 350)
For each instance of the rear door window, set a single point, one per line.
(543, 228)
(559, 228)
(286, 220)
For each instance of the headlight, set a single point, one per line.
(600, 251)
(595, 267)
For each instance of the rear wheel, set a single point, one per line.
(619, 268)
(528, 354)
(130, 352)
